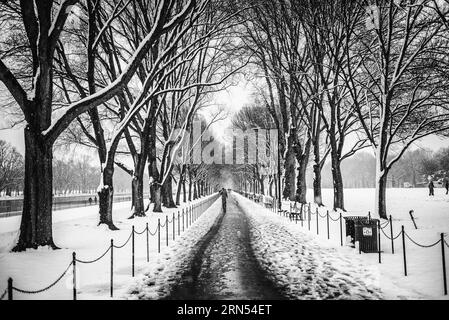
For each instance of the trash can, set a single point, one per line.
(364, 230)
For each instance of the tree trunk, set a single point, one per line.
(168, 193)
(190, 190)
(184, 195)
(381, 189)
(195, 191)
(36, 223)
(105, 197)
(337, 182)
(262, 186)
(178, 190)
(302, 156)
(317, 196)
(138, 206)
(157, 190)
(317, 185)
(289, 180)
(301, 187)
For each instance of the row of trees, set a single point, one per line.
(341, 76)
(11, 169)
(122, 77)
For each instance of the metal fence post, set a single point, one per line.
(403, 250)
(166, 230)
(378, 232)
(132, 251)
(112, 268)
(174, 226)
(341, 231)
(159, 235)
(148, 243)
(74, 274)
(183, 220)
(10, 297)
(444, 264)
(391, 235)
(179, 224)
(327, 221)
(317, 221)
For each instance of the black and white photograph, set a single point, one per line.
(250, 152)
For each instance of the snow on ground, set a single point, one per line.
(303, 267)
(76, 230)
(424, 265)
(157, 279)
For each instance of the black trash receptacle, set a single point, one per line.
(364, 230)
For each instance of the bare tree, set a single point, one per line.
(43, 24)
(397, 77)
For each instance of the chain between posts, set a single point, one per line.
(47, 287)
(422, 245)
(94, 260)
(129, 238)
(388, 237)
(3, 294)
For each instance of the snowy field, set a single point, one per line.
(76, 230)
(424, 265)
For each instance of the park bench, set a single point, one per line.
(268, 201)
(296, 213)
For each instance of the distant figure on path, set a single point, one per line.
(95, 200)
(224, 195)
(90, 201)
(431, 187)
(446, 184)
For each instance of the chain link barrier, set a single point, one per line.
(322, 216)
(142, 232)
(47, 287)
(3, 294)
(129, 238)
(151, 233)
(95, 260)
(385, 225)
(208, 201)
(382, 226)
(388, 237)
(422, 245)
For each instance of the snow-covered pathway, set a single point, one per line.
(223, 265)
(302, 267)
(251, 254)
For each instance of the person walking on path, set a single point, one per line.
(224, 195)
(446, 184)
(431, 187)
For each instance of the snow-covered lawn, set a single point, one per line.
(424, 265)
(76, 230)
